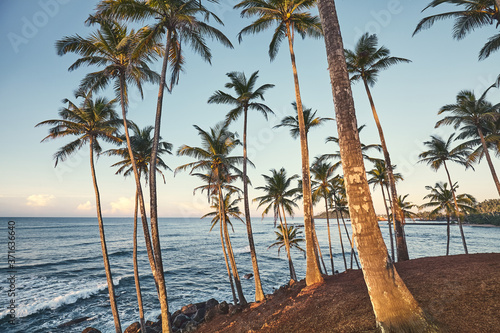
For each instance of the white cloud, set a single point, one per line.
(39, 200)
(123, 206)
(84, 206)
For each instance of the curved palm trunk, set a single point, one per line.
(236, 275)
(259, 293)
(340, 237)
(395, 308)
(397, 213)
(319, 255)
(388, 221)
(136, 269)
(488, 158)
(329, 237)
(155, 235)
(459, 214)
(235, 300)
(145, 228)
(107, 268)
(284, 229)
(313, 274)
(353, 253)
(447, 234)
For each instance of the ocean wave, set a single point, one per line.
(25, 310)
(245, 249)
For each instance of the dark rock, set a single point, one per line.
(175, 314)
(248, 276)
(211, 313)
(134, 328)
(223, 307)
(190, 327)
(199, 316)
(91, 330)
(150, 329)
(180, 320)
(235, 309)
(189, 310)
(200, 305)
(73, 322)
(211, 303)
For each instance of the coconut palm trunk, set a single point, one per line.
(351, 243)
(235, 299)
(488, 158)
(259, 292)
(236, 275)
(107, 268)
(136, 268)
(155, 235)
(388, 221)
(395, 308)
(447, 234)
(340, 238)
(397, 213)
(147, 239)
(459, 213)
(284, 229)
(329, 236)
(319, 255)
(313, 274)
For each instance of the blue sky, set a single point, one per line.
(35, 80)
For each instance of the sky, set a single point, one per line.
(35, 80)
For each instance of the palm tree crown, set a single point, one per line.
(310, 121)
(441, 199)
(366, 60)
(440, 151)
(289, 15)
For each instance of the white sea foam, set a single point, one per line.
(245, 249)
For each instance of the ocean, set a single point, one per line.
(59, 275)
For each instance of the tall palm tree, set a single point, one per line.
(245, 99)
(406, 206)
(442, 200)
(278, 197)
(142, 143)
(365, 63)
(472, 113)
(394, 306)
(310, 121)
(91, 121)
(322, 173)
(475, 14)
(290, 17)
(292, 235)
(115, 49)
(439, 152)
(231, 210)
(218, 170)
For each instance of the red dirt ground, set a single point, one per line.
(461, 293)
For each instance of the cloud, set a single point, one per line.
(39, 200)
(123, 206)
(84, 206)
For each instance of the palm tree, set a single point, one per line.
(442, 200)
(365, 63)
(292, 235)
(475, 14)
(277, 197)
(290, 16)
(322, 175)
(244, 101)
(231, 209)
(439, 152)
(91, 121)
(472, 113)
(213, 158)
(310, 121)
(406, 206)
(142, 143)
(113, 47)
(394, 306)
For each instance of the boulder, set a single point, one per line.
(180, 320)
(134, 328)
(91, 330)
(223, 307)
(211, 303)
(190, 327)
(189, 310)
(199, 316)
(73, 322)
(248, 276)
(235, 309)
(211, 313)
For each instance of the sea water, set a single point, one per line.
(59, 274)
